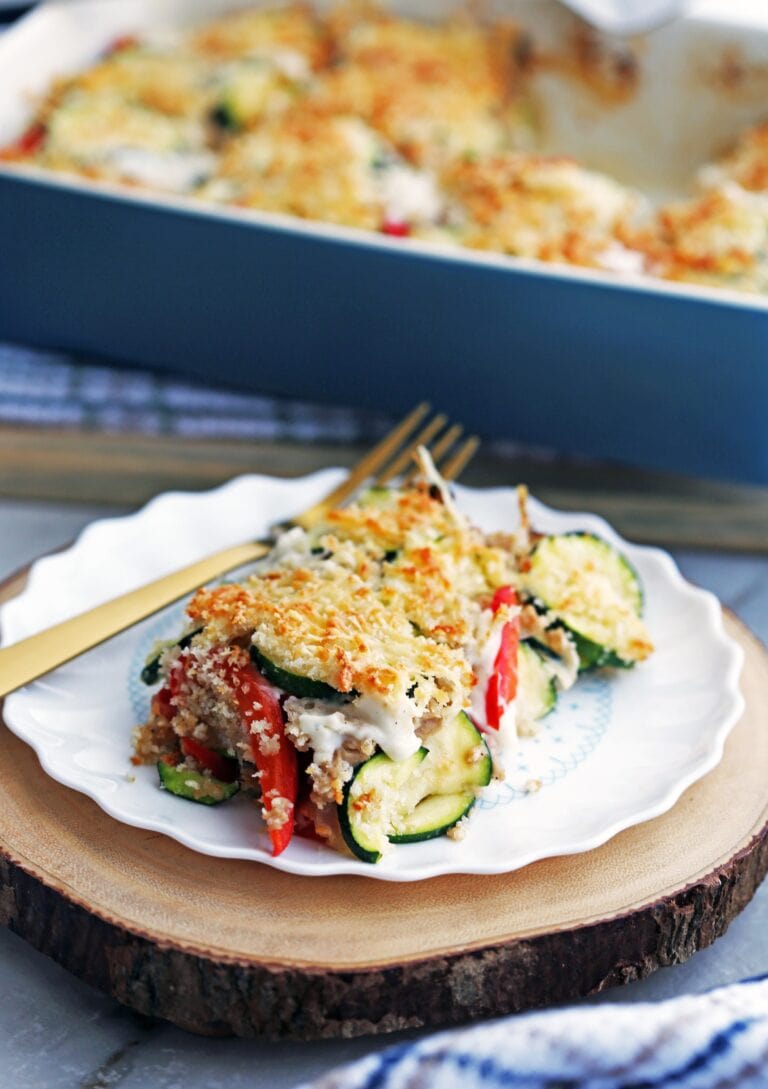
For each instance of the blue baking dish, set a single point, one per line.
(660, 375)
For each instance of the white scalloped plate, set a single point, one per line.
(619, 749)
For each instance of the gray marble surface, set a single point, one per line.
(57, 1033)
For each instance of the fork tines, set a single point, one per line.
(448, 453)
(394, 457)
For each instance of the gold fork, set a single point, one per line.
(30, 658)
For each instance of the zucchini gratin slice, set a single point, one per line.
(367, 680)
(595, 592)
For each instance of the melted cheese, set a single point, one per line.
(327, 727)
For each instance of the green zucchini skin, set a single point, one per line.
(294, 685)
(434, 789)
(241, 100)
(224, 117)
(574, 553)
(594, 656)
(450, 768)
(376, 496)
(375, 775)
(625, 576)
(208, 791)
(434, 816)
(150, 674)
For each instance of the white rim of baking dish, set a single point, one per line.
(405, 247)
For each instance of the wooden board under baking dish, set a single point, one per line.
(220, 946)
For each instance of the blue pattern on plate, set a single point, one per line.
(565, 739)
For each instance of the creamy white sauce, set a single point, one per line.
(431, 475)
(393, 729)
(363, 141)
(617, 258)
(327, 726)
(409, 196)
(482, 665)
(292, 65)
(176, 171)
(502, 742)
(288, 62)
(565, 669)
(291, 544)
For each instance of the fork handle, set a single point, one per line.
(30, 658)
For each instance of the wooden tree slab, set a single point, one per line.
(221, 947)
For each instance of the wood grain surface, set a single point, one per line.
(656, 508)
(229, 947)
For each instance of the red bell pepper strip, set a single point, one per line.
(278, 771)
(164, 700)
(221, 767)
(395, 228)
(162, 703)
(26, 145)
(121, 43)
(502, 685)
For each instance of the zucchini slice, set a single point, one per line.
(193, 786)
(418, 798)
(595, 592)
(294, 685)
(246, 95)
(380, 795)
(150, 674)
(376, 496)
(433, 817)
(458, 758)
(536, 684)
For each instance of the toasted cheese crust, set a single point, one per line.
(746, 164)
(382, 602)
(434, 91)
(308, 165)
(545, 207)
(719, 238)
(253, 32)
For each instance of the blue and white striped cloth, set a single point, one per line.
(59, 390)
(55, 389)
(717, 1040)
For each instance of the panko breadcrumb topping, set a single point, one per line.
(383, 603)
(537, 206)
(279, 811)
